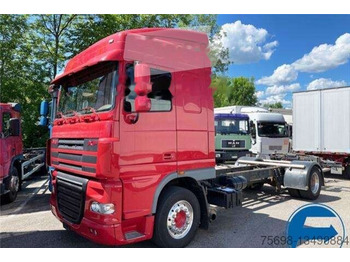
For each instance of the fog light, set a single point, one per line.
(100, 208)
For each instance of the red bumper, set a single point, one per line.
(111, 235)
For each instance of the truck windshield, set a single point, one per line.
(269, 129)
(88, 91)
(231, 126)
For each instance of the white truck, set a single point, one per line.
(321, 127)
(269, 131)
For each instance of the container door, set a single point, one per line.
(335, 120)
(306, 121)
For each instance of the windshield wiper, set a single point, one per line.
(92, 117)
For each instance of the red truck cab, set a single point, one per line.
(133, 137)
(11, 148)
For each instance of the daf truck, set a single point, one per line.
(132, 147)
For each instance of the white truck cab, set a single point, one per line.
(269, 131)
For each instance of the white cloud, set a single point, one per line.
(274, 99)
(280, 89)
(259, 94)
(246, 43)
(324, 83)
(325, 56)
(283, 74)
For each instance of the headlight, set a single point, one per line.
(100, 208)
(218, 155)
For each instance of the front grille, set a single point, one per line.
(233, 143)
(75, 154)
(71, 192)
(274, 148)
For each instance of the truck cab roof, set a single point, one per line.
(117, 47)
(267, 117)
(218, 116)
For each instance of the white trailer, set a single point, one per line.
(321, 126)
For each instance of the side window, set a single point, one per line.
(160, 95)
(6, 124)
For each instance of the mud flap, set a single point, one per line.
(297, 178)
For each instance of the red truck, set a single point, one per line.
(132, 144)
(16, 163)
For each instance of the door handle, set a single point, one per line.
(169, 156)
(13, 149)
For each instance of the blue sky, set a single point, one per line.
(260, 44)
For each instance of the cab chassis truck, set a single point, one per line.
(16, 163)
(132, 148)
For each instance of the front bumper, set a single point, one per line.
(103, 229)
(223, 156)
(111, 235)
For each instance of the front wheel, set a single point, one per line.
(315, 182)
(177, 218)
(14, 186)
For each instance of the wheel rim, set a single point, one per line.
(180, 219)
(14, 184)
(315, 183)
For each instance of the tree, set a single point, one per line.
(275, 105)
(234, 91)
(50, 36)
(21, 79)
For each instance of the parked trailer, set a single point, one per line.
(321, 127)
(133, 155)
(16, 163)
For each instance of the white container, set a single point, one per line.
(321, 121)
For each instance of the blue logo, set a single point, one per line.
(298, 231)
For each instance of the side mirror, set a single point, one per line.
(142, 76)
(14, 127)
(43, 121)
(44, 108)
(142, 104)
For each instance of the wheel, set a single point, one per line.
(347, 172)
(294, 192)
(177, 218)
(314, 185)
(14, 186)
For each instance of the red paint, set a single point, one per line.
(10, 146)
(134, 157)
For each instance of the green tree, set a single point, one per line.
(21, 79)
(234, 91)
(275, 105)
(50, 38)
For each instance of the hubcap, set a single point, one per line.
(315, 183)
(180, 219)
(14, 184)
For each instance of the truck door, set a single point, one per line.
(147, 146)
(193, 137)
(8, 149)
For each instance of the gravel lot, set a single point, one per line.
(28, 221)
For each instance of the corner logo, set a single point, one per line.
(315, 224)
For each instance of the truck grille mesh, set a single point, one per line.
(71, 192)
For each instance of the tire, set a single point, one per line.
(312, 193)
(175, 207)
(294, 192)
(14, 186)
